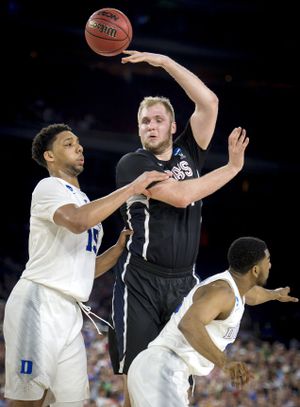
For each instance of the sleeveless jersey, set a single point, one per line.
(222, 332)
(58, 258)
(163, 234)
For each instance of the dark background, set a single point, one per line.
(245, 51)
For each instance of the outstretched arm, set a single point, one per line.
(203, 120)
(79, 219)
(258, 295)
(183, 193)
(108, 259)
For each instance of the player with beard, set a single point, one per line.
(45, 354)
(157, 269)
(208, 320)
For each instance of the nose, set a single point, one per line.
(80, 148)
(151, 124)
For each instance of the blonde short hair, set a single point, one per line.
(149, 101)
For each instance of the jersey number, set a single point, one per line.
(92, 240)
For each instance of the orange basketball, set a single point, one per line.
(108, 32)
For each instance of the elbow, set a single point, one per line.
(80, 229)
(181, 327)
(214, 101)
(181, 202)
(77, 226)
(77, 229)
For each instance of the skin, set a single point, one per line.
(156, 129)
(183, 193)
(215, 301)
(65, 160)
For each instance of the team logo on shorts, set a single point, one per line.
(26, 366)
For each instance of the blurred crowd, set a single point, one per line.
(275, 368)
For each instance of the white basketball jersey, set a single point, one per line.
(59, 258)
(222, 332)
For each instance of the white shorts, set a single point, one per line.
(158, 377)
(44, 345)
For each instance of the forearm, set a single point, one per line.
(183, 193)
(82, 218)
(202, 343)
(107, 260)
(258, 295)
(196, 90)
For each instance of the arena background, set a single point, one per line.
(245, 51)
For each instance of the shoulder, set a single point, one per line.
(141, 159)
(219, 290)
(45, 183)
(49, 186)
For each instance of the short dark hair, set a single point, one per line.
(44, 139)
(246, 252)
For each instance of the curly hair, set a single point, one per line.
(246, 252)
(44, 139)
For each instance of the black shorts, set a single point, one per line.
(144, 299)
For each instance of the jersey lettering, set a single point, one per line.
(92, 240)
(182, 170)
(231, 333)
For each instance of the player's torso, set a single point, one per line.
(164, 234)
(59, 258)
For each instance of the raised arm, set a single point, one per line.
(79, 219)
(203, 119)
(183, 193)
(258, 295)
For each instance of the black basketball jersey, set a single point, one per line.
(163, 235)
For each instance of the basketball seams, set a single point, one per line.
(108, 39)
(105, 33)
(113, 25)
(108, 53)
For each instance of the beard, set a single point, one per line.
(75, 170)
(261, 281)
(159, 148)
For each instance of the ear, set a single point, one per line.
(48, 156)
(255, 271)
(173, 128)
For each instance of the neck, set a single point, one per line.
(166, 155)
(71, 179)
(243, 282)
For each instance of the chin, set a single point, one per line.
(78, 170)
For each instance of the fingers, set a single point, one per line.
(130, 58)
(239, 374)
(283, 295)
(237, 138)
(129, 52)
(159, 176)
(126, 232)
(288, 298)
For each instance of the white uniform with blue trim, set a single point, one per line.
(159, 375)
(42, 314)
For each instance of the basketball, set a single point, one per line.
(108, 32)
